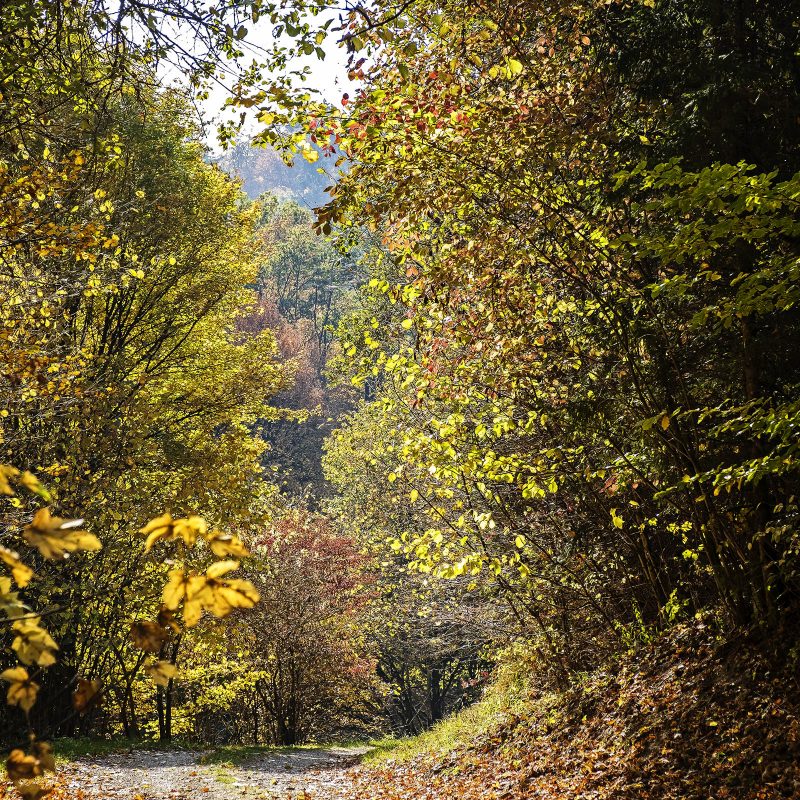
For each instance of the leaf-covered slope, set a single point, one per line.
(681, 719)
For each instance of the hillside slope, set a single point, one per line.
(261, 169)
(683, 718)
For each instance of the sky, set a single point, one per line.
(328, 76)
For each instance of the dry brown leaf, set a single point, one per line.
(148, 636)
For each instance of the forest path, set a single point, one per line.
(307, 773)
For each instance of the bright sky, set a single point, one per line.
(328, 76)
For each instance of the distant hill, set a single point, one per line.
(261, 170)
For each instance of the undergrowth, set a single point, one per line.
(507, 698)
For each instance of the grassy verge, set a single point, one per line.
(451, 733)
(237, 754)
(72, 749)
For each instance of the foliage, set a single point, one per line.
(297, 667)
(577, 228)
(433, 638)
(304, 286)
(126, 383)
(316, 675)
(584, 358)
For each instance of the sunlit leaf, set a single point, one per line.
(54, 537)
(157, 529)
(161, 672)
(165, 527)
(175, 589)
(226, 544)
(189, 529)
(7, 472)
(221, 568)
(185, 588)
(21, 573)
(220, 597)
(33, 484)
(33, 644)
(194, 603)
(231, 594)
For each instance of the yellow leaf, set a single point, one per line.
(193, 605)
(7, 472)
(161, 672)
(32, 484)
(33, 644)
(175, 590)
(310, 154)
(22, 690)
(158, 528)
(199, 592)
(53, 537)
(86, 694)
(665, 421)
(189, 529)
(10, 604)
(221, 568)
(231, 594)
(226, 544)
(21, 573)
(165, 527)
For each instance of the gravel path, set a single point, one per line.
(310, 774)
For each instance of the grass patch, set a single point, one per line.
(71, 749)
(456, 731)
(234, 755)
(221, 773)
(447, 735)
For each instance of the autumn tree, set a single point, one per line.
(304, 286)
(587, 340)
(127, 386)
(317, 675)
(433, 638)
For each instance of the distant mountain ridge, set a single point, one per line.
(261, 169)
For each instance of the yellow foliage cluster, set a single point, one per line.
(54, 538)
(192, 591)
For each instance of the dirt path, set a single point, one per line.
(310, 774)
